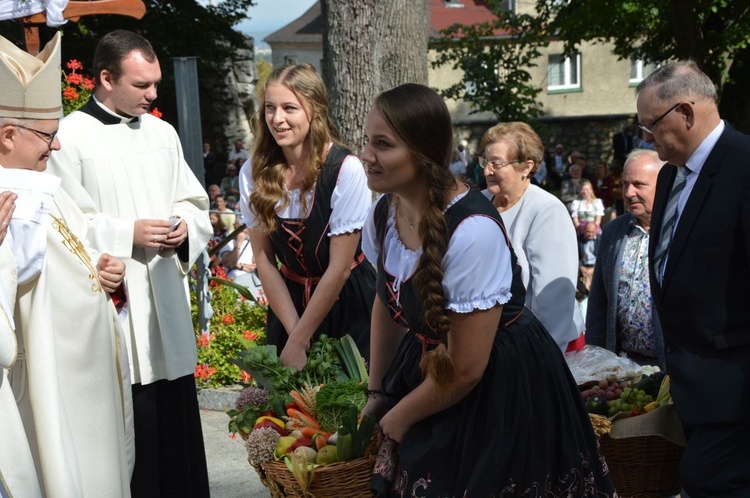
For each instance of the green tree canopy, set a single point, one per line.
(714, 33)
(494, 65)
(175, 28)
(711, 32)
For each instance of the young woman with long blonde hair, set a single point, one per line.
(305, 198)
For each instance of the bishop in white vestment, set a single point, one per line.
(17, 473)
(70, 378)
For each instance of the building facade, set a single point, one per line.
(585, 98)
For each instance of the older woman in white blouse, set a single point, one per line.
(539, 228)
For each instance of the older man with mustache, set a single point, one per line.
(621, 315)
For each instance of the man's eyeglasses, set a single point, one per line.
(43, 135)
(495, 165)
(648, 128)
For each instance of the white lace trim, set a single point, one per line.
(406, 258)
(480, 303)
(349, 227)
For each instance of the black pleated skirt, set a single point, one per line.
(522, 431)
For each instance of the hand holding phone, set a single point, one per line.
(175, 221)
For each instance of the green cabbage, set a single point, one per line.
(334, 399)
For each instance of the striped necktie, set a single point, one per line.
(669, 220)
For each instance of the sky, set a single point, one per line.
(266, 16)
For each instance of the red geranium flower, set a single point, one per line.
(70, 94)
(74, 64)
(74, 79)
(156, 112)
(227, 319)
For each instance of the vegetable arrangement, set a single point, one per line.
(307, 418)
(611, 396)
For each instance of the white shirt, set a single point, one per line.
(350, 200)
(467, 286)
(546, 246)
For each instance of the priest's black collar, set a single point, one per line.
(96, 110)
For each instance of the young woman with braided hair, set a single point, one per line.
(472, 394)
(304, 198)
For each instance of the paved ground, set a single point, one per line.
(229, 474)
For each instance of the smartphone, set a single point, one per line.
(175, 222)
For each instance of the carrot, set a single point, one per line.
(300, 402)
(305, 419)
(311, 431)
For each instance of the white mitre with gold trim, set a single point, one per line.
(30, 84)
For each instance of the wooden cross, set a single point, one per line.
(74, 11)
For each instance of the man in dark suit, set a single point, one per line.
(622, 144)
(699, 254)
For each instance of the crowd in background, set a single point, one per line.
(590, 193)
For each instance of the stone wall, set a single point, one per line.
(231, 104)
(591, 136)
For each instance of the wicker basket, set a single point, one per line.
(643, 453)
(643, 466)
(335, 480)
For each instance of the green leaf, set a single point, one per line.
(244, 291)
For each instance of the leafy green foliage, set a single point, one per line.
(711, 32)
(323, 363)
(175, 28)
(263, 363)
(494, 57)
(236, 325)
(334, 399)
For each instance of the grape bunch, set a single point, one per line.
(631, 400)
(609, 390)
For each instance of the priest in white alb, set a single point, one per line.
(70, 376)
(126, 170)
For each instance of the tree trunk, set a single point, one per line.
(403, 42)
(370, 46)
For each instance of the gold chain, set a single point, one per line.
(73, 243)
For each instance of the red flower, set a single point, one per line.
(204, 340)
(203, 371)
(74, 64)
(156, 112)
(245, 377)
(70, 94)
(200, 372)
(249, 335)
(74, 78)
(227, 319)
(87, 84)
